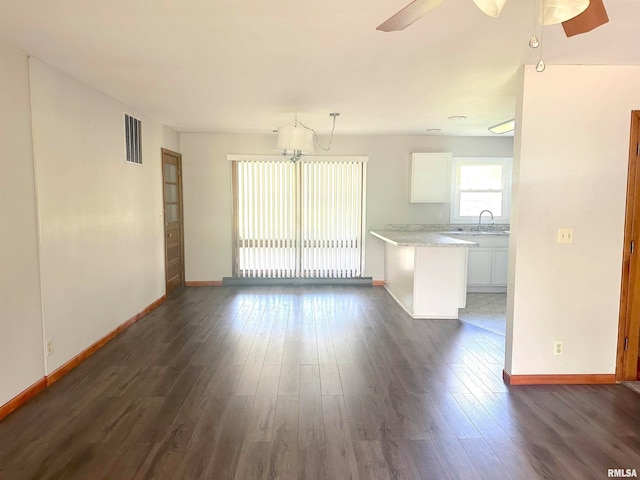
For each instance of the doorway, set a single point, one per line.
(173, 224)
(629, 325)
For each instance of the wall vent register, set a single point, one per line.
(133, 139)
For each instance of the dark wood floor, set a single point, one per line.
(311, 382)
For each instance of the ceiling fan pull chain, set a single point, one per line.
(534, 42)
(540, 67)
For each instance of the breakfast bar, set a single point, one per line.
(425, 272)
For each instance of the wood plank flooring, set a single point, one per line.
(311, 383)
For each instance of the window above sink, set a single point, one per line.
(480, 184)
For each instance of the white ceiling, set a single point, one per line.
(252, 65)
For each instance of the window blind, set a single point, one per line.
(301, 219)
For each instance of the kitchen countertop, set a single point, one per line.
(451, 229)
(405, 238)
(499, 233)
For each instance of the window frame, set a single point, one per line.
(456, 164)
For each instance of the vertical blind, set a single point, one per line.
(301, 219)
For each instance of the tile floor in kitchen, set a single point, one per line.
(487, 311)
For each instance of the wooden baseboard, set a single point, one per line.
(93, 348)
(208, 283)
(44, 382)
(22, 398)
(577, 379)
(377, 283)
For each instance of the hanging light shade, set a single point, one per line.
(490, 7)
(558, 11)
(295, 141)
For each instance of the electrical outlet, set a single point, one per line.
(565, 235)
(440, 215)
(49, 347)
(558, 348)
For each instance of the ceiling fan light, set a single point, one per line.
(558, 11)
(490, 7)
(295, 139)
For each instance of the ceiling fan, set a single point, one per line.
(576, 16)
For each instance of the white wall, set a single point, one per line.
(101, 225)
(21, 348)
(208, 197)
(571, 171)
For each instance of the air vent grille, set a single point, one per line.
(133, 139)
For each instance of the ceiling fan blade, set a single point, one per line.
(409, 14)
(594, 16)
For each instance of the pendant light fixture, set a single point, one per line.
(295, 141)
(299, 140)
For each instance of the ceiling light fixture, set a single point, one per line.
(490, 7)
(457, 117)
(299, 140)
(558, 11)
(552, 12)
(503, 127)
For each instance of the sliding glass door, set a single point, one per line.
(301, 219)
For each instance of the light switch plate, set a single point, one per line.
(565, 235)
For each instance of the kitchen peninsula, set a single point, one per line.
(425, 271)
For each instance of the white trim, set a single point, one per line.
(507, 162)
(235, 157)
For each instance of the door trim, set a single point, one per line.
(629, 325)
(178, 157)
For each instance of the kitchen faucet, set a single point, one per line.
(480, 218)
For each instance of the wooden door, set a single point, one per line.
(629, 326)
(173, 225)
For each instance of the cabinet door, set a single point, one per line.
(500, 266)
(479, 266)
(430, 177)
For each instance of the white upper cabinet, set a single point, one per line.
(430, 177)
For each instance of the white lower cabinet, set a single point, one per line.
(500, 270)
(488, 263)
(479, 270)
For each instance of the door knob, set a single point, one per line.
(169, 235)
